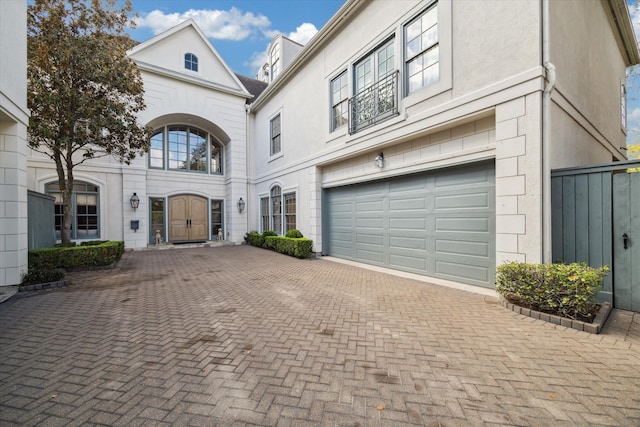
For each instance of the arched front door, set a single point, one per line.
(187, 218)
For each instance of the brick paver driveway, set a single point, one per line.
(243, 336)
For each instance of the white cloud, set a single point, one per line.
(232, 24)
(633, 120)
(303, 33)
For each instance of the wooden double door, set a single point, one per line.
(187, 218)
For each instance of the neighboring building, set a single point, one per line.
(422, 143)
(14, 119)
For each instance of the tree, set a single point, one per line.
(84, 92)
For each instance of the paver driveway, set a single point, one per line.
(243, 336)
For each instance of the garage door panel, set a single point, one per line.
(460, 247)
(371, 256)
(440, 223)
(374, 239)
(477, 225)
(455, 271)
(408, 262)
(407, 204)
(407, 223)
(412, 243)
(462, 201)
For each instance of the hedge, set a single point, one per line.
(87, 255)
(567, 290)
(299, 247)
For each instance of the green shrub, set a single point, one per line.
(99, 254)
(254, 239)
(92, 242)
(298, 247)
(568, 290)
(42, 275)
(66, 245)
(294, 234)
(267, 233)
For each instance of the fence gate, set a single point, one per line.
(595, 214)
(626, 241)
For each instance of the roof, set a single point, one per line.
(255, 87)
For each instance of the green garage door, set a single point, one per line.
(439, 224)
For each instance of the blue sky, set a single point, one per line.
(240, 30)
(633, 83)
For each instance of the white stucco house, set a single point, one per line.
(14, 118)
(423, 143)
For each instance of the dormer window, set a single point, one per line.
(275, 61)
(190, 62)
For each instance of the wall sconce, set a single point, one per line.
(135, 201)
(241, 205)
(380, 161)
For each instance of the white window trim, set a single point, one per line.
(280, 153)
(445, 35)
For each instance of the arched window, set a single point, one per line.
(276, 209)
(84, 203)
(190, 62)
(185, 148)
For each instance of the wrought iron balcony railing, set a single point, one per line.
(374, 104)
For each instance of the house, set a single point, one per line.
(14, 118)
(423, 143)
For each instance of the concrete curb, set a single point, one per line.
(594, 328)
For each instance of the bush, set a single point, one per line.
(254, 239)
(298, 247)
(93, 242)
(42, 275)
(267, 233)
(98, 254)
(294, 234)
(567, 290)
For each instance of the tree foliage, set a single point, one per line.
(84, 93)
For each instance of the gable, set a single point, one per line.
(165, 54)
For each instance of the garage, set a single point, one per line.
(439, 223)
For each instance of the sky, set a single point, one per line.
(633, 83)
(240, 30)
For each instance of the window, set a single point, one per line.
(276, 210)
(271, 211)
(185, 148)
(339, 101)
(190, 62)
(375, 89)
(623, 107)
(264, 213)
(157, 219)
(290, 211)
(422, 50)
(275, 61)
(275, 135)
(216, 219)
(84, 203)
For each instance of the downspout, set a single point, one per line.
(550, 70)
(247, 157)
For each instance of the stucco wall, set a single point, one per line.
(589, 70)
(14, 118)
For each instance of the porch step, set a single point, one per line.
(207, 244)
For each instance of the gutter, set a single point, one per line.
(546, 135)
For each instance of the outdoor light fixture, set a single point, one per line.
(135, 201)
(380, 161)
(241, 205)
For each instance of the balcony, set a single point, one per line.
(374, 104)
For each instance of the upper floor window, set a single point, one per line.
(422, 50)
(275, 135)
(275, 61)
(190, 62)
(271, 211)
(185, 148)
(339, 101)
(375, 89)
(84, 206)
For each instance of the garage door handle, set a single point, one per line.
(625, 240)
